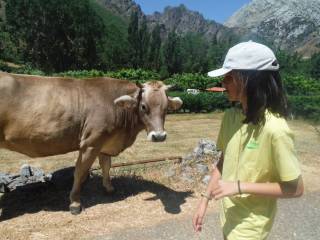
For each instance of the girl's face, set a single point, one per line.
(234, 89)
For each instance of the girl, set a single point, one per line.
(258, 162)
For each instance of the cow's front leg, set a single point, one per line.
(84, 162)
(105, 164)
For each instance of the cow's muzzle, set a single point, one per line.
(157, 136)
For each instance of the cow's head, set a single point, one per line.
(153, 104)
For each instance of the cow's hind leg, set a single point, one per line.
(84, 162)
(105, 164)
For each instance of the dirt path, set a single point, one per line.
(297, 219)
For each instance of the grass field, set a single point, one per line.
(139, 202)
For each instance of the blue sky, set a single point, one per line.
(210, 9)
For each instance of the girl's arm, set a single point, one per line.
(289, 189)
(203, 203)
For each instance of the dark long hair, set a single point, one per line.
(264, 90)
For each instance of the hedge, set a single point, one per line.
(202, 102)
(305, 106)
(182, 82)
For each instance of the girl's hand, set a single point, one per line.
(224, 189)
(198, 217)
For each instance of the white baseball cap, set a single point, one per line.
(247, 56)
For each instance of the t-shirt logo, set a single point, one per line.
(252, 145)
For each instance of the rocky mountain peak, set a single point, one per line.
(287, 24)
(180, 19)
(122, 8)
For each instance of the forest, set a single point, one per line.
(82, 39)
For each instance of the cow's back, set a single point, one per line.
(42, 116)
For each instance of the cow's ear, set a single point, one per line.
(174, 103)
(167, 87)
(125, 101)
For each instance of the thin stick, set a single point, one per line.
(177, 159)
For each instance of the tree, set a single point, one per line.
(172, 54)
(56, 35)
(194, 48)
(133, 39)
(315, 66)
(144, 40)
(154, 59)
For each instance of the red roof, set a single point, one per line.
(216, 89)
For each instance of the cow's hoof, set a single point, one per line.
(75, 209)
(110, 191)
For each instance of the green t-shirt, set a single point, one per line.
(254, 153)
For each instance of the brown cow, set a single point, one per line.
(99, 117)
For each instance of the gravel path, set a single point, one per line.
(297, 219)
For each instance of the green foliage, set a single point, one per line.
(114, 51)
(133, 39)
(81, 74)
(154, 59)
(19, 69)
(28, 69)
(301, 85)
(134, 74)
(172, 54)
(307, 107)
(191, 80)
(194, 49)
(129, 74)
(4, 67)
(8, 50)
(202, 102)
(144, 40)
(59, 35)
(315, 66)
(216, 54)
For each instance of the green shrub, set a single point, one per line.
(307, 107)
(4, 67)
(182, 82)
(134, 74)
(301, 85)
(81, 74)
(201, 102)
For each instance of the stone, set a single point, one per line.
(170, 172)
(288, 25)
(187, 177)
(206, 179)
(25, 171)
(202, 168)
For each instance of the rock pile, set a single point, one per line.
(27, 175)
(195, 167)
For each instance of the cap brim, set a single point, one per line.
(219, 72)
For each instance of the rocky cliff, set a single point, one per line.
(183, 21)
(292, 25)
(178, 18)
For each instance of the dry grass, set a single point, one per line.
(184, 132)
(43, 213)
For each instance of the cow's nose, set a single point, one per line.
(157, 136)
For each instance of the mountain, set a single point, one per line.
(178, 18)
(184, 21)
(292, 25)
(122, 8)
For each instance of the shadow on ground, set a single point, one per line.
(55, 196)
